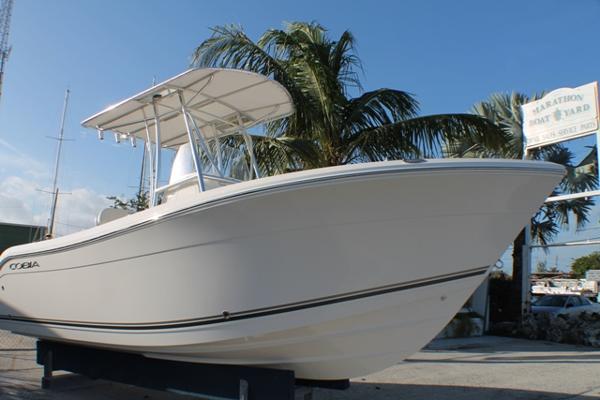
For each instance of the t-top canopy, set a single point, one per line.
(220, 101)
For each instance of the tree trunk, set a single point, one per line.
(514, 297)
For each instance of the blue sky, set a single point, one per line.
(450, 54)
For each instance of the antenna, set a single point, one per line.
(5, 13)
(55, 192)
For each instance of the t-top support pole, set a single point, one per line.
(250, 146)
(148, 149)
(218, 149)
(204, 146)
(157, 149)
(195, 155)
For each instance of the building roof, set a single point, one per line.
(14, 234)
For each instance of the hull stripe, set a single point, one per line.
(261, 312)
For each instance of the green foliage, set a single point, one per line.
(500, 276)
(582, 264)
(541, 266)
(138, 203)
(330, 127)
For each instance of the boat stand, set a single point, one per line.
(209, 380)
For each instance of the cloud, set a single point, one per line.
(12, 159)
(22, 202)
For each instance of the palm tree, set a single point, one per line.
(330, 127)
(504, 110)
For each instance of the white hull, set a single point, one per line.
(333, 273)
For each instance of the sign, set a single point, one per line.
(592, 274)
(560, 115)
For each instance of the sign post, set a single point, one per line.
(560, 115)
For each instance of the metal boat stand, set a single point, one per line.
(209, 380)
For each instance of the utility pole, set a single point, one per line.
(5, 14)
(55, 191)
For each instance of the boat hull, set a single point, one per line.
(332, 273)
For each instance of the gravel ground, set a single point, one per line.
(476, 368)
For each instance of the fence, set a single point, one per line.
(10, 341)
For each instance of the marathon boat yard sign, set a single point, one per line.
(560, 115)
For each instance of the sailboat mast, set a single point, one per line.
(50, 233)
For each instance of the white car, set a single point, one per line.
(564, 304)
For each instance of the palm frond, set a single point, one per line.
(343, 60)
(276, 155)
(543, 231)
(229, 47)
(426, 136)
(378, 107)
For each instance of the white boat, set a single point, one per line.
(333, 272)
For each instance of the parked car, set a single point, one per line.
(563, 304)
